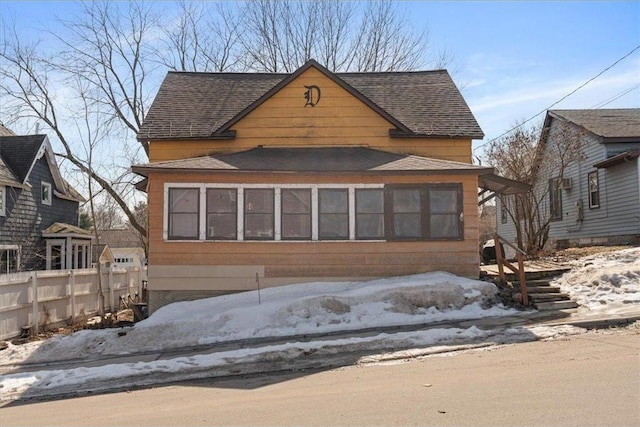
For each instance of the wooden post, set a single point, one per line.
(34, 301)
(111, 293)
(523, 281)
(499, 258)
(72, 285)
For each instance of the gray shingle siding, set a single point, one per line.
(26, 217)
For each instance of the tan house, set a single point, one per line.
(271, 179)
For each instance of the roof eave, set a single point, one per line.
(396, 133)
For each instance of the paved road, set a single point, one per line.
(590, 379)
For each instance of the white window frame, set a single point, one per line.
(3, 200)
(277, 211)
(16, 248)
(48, 200)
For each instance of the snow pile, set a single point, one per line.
(604, 282)
(242, 361)
(310, 308)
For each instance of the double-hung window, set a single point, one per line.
(428, 212)
(406, 213)
(333, 212)
(3, 198)
(184, 213)
(369, 214)
(594, 190)
(296, 214)
(222, 213)
(45, 193)
(555, 199)
(259, 214)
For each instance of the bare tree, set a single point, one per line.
(280, 36)
(525, 156)
(31, 82)
(206, 38)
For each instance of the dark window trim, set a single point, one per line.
(273, 215)
(283, 214)
(554, 188)
(383, 213)
(425, 214)
(589, 192)
(503, 210)
(170, 236)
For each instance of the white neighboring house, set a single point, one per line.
(597, 201)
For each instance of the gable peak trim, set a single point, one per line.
(311, 63)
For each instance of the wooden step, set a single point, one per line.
(549, 297)
(543, 289)
(555, 305)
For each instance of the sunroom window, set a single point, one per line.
(184, 213)
(369, 214)
(222, 213)
(333, 214)
(258, 214)
(296, 214)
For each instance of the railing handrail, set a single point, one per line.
(512, 246)
(500, 260)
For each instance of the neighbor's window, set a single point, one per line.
(333, 214)
(369, 214)
(45, 193)
(259, 214)
(184, 212)
(222, 213)
(594, 190)
(503, 210)
(296, 214)
(555, 199)
(9, 259)
(3, 198)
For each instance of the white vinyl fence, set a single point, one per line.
(38, 299)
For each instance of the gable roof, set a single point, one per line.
(62, 229)
(611, 124)
(206, 105)
(18, 155)
(307, 160)
(20, 152)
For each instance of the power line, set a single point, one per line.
(614, 97)
(561, 99)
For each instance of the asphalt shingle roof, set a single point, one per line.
(326, 159)
(195, 105)
(607, 123)
(19, 152)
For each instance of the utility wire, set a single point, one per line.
(561, 99)
(614, 97)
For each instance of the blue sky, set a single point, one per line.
(513, 59)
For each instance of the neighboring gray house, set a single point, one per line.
(38, 209)
(596, 201)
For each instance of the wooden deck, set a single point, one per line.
(533, 269)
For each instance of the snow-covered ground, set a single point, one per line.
(606, 283)
(612, 280)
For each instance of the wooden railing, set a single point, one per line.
(519, 271)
